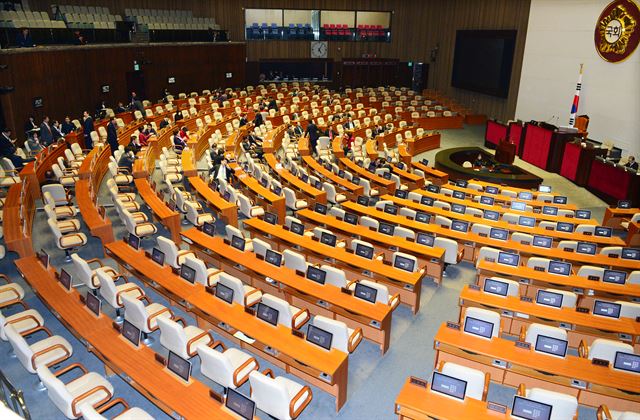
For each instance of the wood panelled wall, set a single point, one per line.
(417, 27)
(69, 79)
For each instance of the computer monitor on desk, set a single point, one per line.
(603, 231)
(624, 204)
(478, 327)
(508, 258)
(583, 214)
(630, 254)
(526, 221)
(524, 408)
(552, 346)
(547, 298)
(297, 228)
(433, 188)
(491, 190)
(271, 218)
(402, 194)
(544, 189)
(238, 243)
(560, 268)
(525, 195)
(267, 314)
(605, 308)
(179, 366)
(273, 257)
(320, 208)
(458, 208)
(587, 248)
(565, 227)
(316, 274)
(319, 337)
(131, 333)
(459, 195)
(423, 217)
(615, 277)
(550, 210)
(365, 292)
(209, 228)
(627, 361)
(386, 228)
(496, 287)
(542, 241)
(328, 239)
(499, 234)
(491, 215)
(518, 206)
(351, 218)
(224, 293)
(448, 385)
(487, 200)
(188, 273)
(559, 199)
(391, 209)
(460, 226)
(240, 404)
(427, 201)
(364, 251)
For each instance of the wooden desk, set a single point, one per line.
(431, 258)
(531, 280)
(426, 142)
(326, 300)
(516, 313)
(310, 193)
(35, 171)
(351, 190)
(432, 174)
(378, 182)
(261, 196)
(227, 211)
(17, 214)
(188, 160)
(169, 218)
(99, 226)
(613, 216)
(137, 366)
(418, 403)
(599, 385)
(327, 370)
(411, 180)
(633, 235)
(408, 285)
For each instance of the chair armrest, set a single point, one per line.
(40, 328)
(71, 234)
(309, 395)
(583, 349)
(14, 302)
(24, 318)
(394, 301)
(241, 368)
(124, 170)
(70, 368)
(215, 344)
(155, 315)
(521, 390)
(355, 339)
(523, 333)
(5, 278)
(254, 291)
(299, 314)
(113, 403)
(213, 274)
(34, 356)
(180, 320)
(460, 254)
(84, 395)
(269, 372)
(196, 338)
(12, 289)
(603, 413)
(95, 260)
(485, 390)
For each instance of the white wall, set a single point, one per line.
(559, 38)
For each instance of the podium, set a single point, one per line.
(505, 152)
(576, 162)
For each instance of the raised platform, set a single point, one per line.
(451, 161)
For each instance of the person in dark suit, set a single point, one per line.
(67, 126)
(224, 172)
(217, 156)
(8, 149)
(178, 143)
(56, 130)
(258, 121)
(46, 135)
(23, 39)
(273, 104)
(631, 163)
(30, 126)
(164, 123)
(87, 128)
(112, 135)
(243, 120)
(349, 125)
(120, 108)
(297, 130)
(313, 133)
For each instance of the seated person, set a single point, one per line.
(8, 150)
(252, 148)
(166, 122)
(127, 158)
(135, 143)
(120, 108)
(479, 161)
(178, 143)
(631, 163)
(184, 134)
(67, 126)
(34, 143)
(56, 131)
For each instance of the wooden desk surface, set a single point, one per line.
(477, 240)
(331, 177)
(569, 281)
(168, 217)
(98, 226)
(287, 276)
(139, 365)
(500, 209)
(565, 315)
(418, 403)
(318, 196)
(227, 210)
(613, 216)
(364, 233)
(536, 230)
(440, 178)
(388, 184)
(188, 161)
(568, 367)
(338, 254)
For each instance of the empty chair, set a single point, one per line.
(356, 242)
(66, 242)
(570, 246)
(487, 253)
(90, 389)
(569, 299)
(332, 195)
(204, 275)
(513, 287)
(591, 272)
(382, 293)
(522, 238)
(260, 247)
(145, 318)
(288, 315)
(292, 201)
(585, 229)
(173, 256)
(294, 261)
(183, 340)
(472, 211)
(443, 221)
(232, 231)
(634, 219)
(611, 250)
(477, 381)
(140, 229)
(511, 218)
(486, 316)
(120, 175)
(369, 222)
(367, 189)
(547, 225)
(563, 406)
(442, 205)
(22, 322)
(480, 229)
(604, 413)
(47, 352)
(247, 208)
(112, 293)
(195, 218)
(451, 253)
(89, 276)
(279, 397)
(534, 330)
(61, 210)
(629, 309)
(229, 368)
(243, 295)
(128, 413)
(538, 262)
(604, 349)
(344, 338)
(66, 225)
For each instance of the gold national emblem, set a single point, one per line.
(617, 32)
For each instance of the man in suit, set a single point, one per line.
(313, 133)
(112, 135)
(67, 126)
(164, 123)
(8, 149)
(46, 135)
(217, 156)
(56, 130)
(297, 130)
(349, 125)
(87, 128)
(631, 163)
(23, 39)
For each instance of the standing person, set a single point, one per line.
(87, 128)
(56, 130)
(112, 135)
(178, 143)
(224, 172)
(46, 135)
(8, 149)
(312, 131)
(67, 126)
(30, 126)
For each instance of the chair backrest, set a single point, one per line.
(369, 222)
(338, 329)
(20, 347)
(170, 250)
(475, 379)
(536, 329)
(285, 314)
(534, 262)
(522, 237)
(484, 315)
(563, 406)
(135, 312)
(294, 261)
(609, 250)
(216, 366)
(335, 276)
(108, 289)
(260, 247)
(173, 337)
(450, 247)
(409, 257)
(587, 271)
(232, 231)
(57, 193)
(513, 287)
(234, 284)
(199, 266)
(569, 299)
(270, 395)
(382, 294)
(629, 309)
(480, 229)
(245, 205)
(57, 391)
(82, 270)
(604, 349)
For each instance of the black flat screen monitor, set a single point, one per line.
(530, 410)
(43, 257)
(271, 218)
(425, 162)
(355, 180)
(425, 239)
(404, 263)
(492, 190)
(547, 298)
(526, 221)
(458, 208)
(297, 228)
(224, 292)
(319, 337)
(462, 183)
(267, 314)
(602, 231)
(239, 404)
(427, 201)
(179, 366)
(478, 327)
(490, 215)
(65, 279)
(542, 241)
(364, 251)
(320, 208)
(525, 195)
(423, 217)
(565, 227)
(209, 228)
(630, 254)
(328, 238)
(386, 175)
(133, 241)
(609, 309)
(386, 228)
(304, 178)
(588, 248)
(552, 346)
(627, 361)
(559, 199)
(613, 276)
(365, 292)
(238, 243)
(459, 226)
(560, 268)
(363, 200)
(316, 274)
(487, 200)
(276, 189)
(624, 204)
(550, 210)
(390, 209)
(518, 206)
(433, 188)
(188, 273)
(583, 214)
(93, 303)
(351, 218)
(507, 258)
(459, 195)
(402, 193)
(496, 287)
(273, 257)
(448, 385)
(131, 333)
(499, 234)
